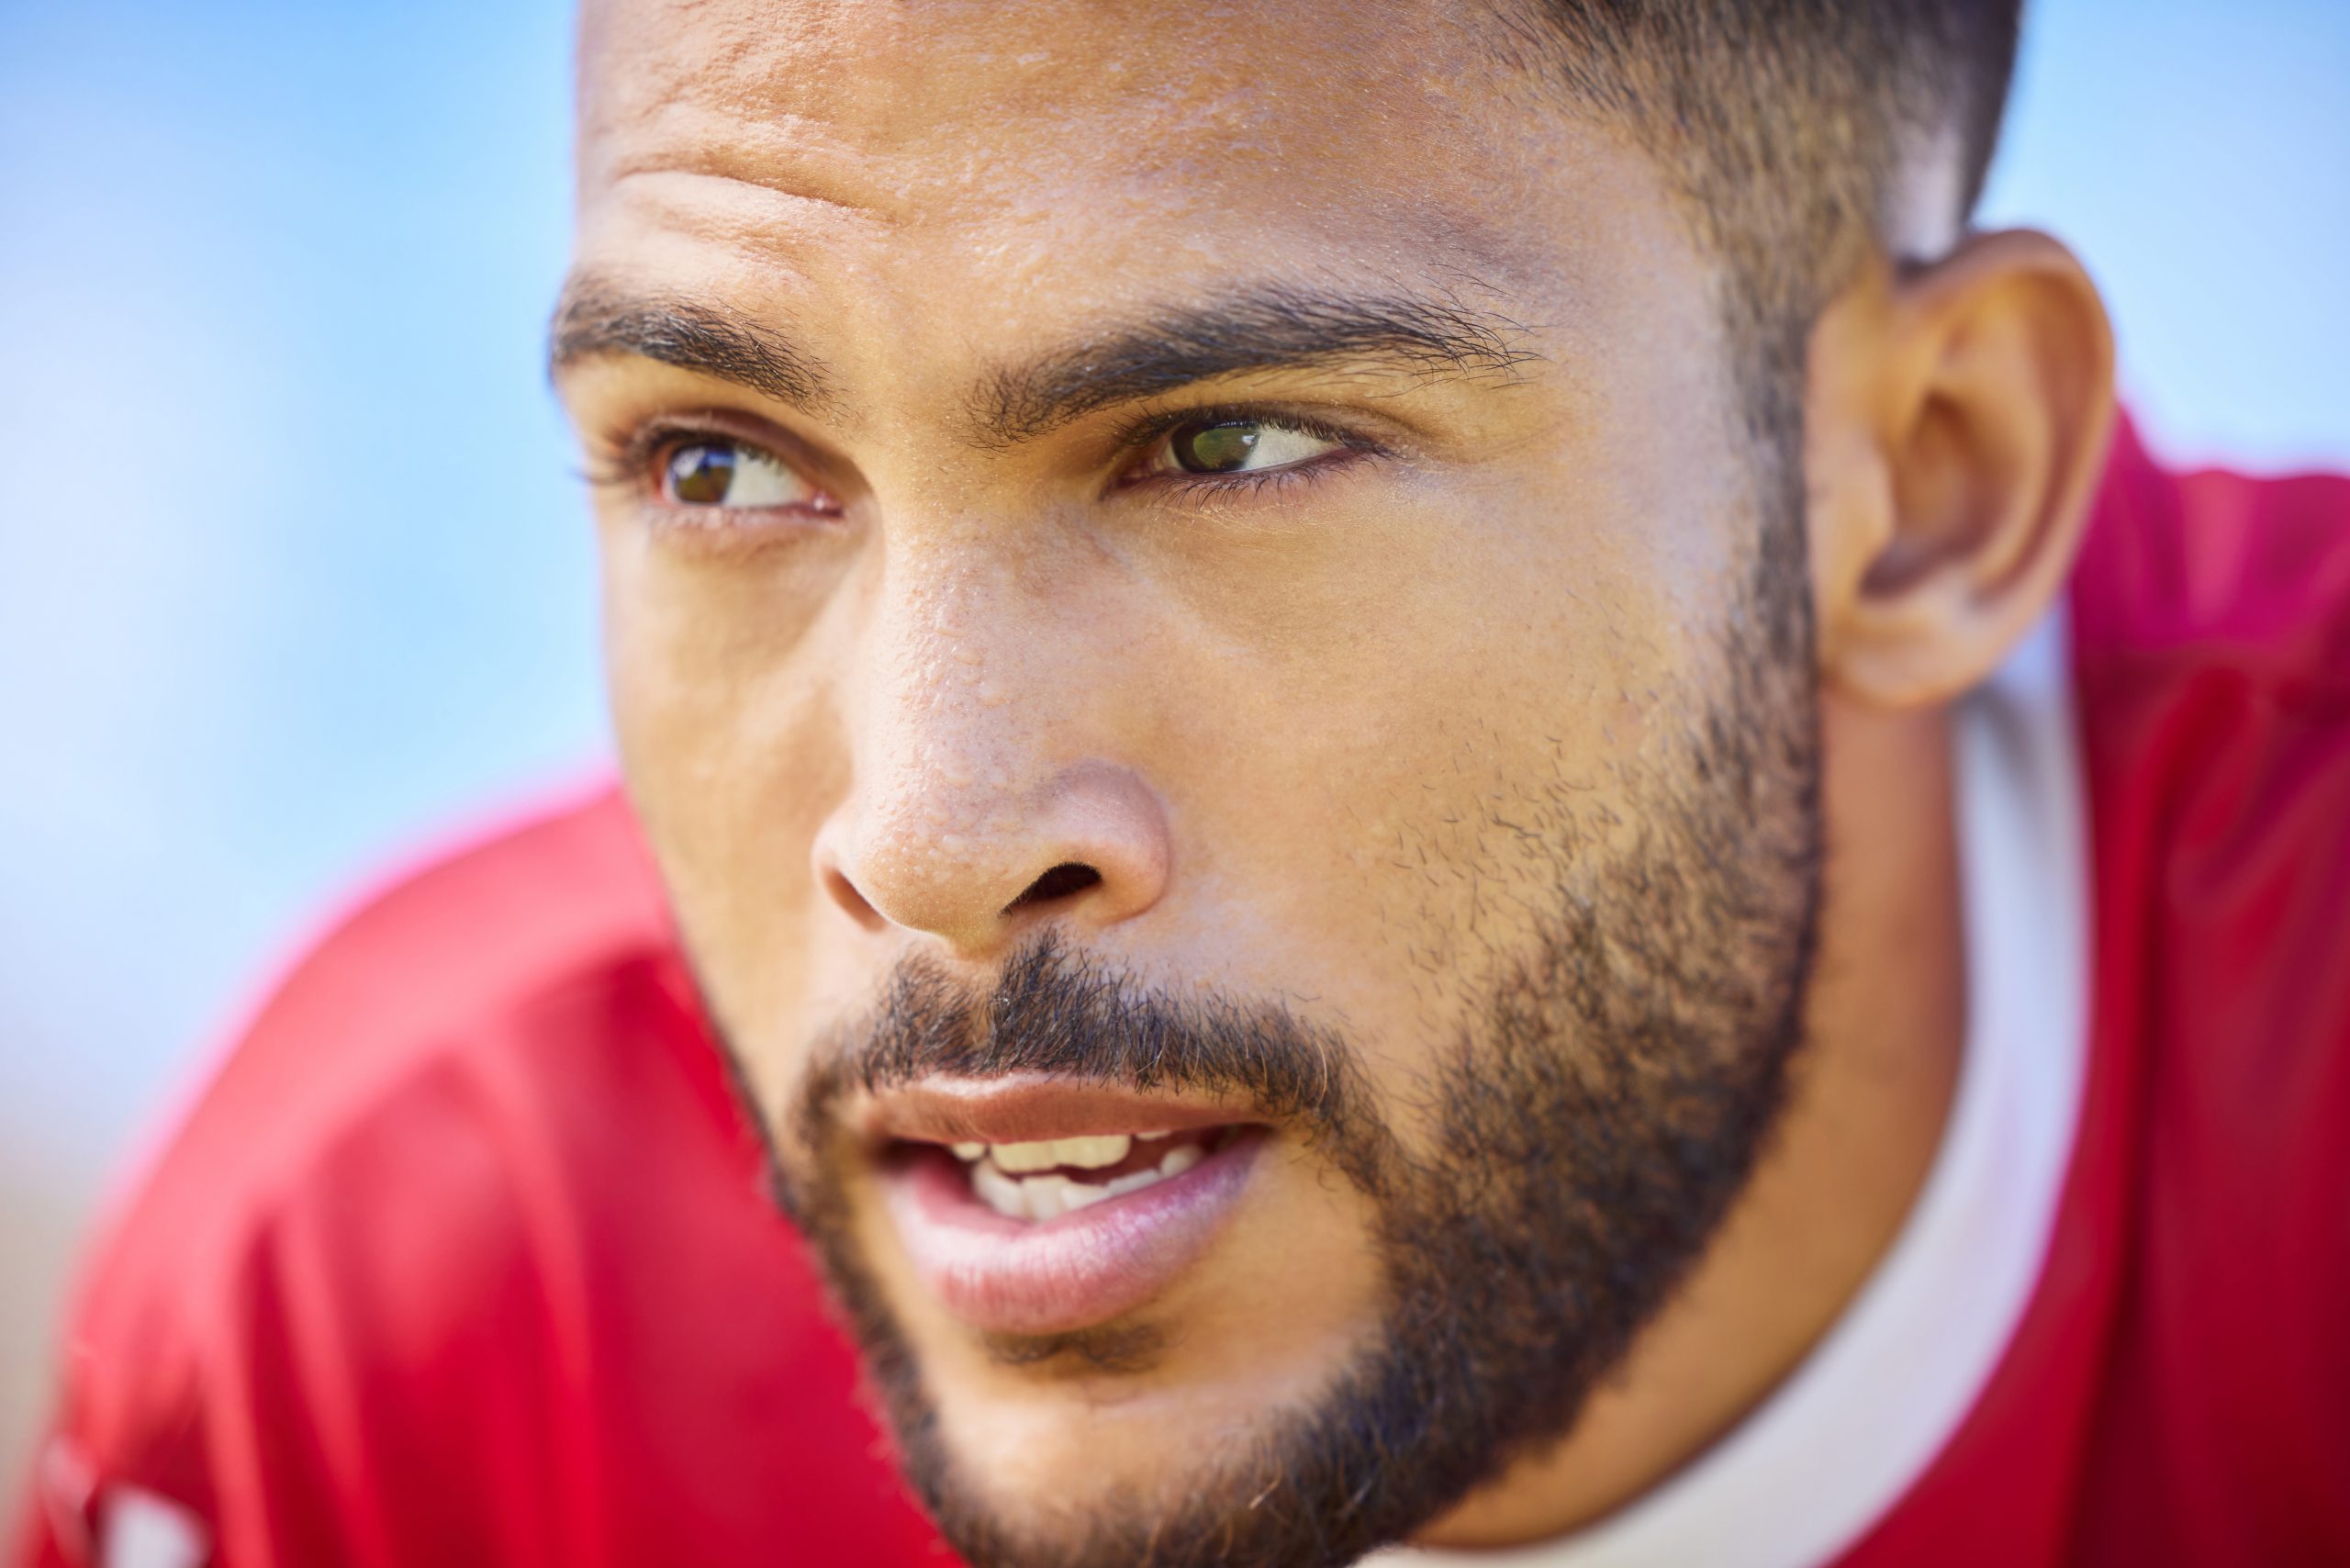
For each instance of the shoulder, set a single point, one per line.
(467, 1213)
(529, 902)
(2210, 623)
(362, 1145)
(2210, 620)
(2215, 575)
(2211, 626)
(416, 980)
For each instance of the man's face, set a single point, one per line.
(1186, 579)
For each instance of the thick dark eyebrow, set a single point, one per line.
(594, 318)
(1421, 337)
(1425, 336)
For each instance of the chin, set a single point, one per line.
(1107, 1361)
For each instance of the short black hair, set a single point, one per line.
(1785, 125)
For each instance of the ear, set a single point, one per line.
(1955, 420)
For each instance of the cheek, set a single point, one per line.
(730, 744)
(1424, 751)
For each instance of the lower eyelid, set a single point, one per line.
(1310, 471)
(720, 533)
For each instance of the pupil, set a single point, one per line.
(700, 474)
(1216, 449)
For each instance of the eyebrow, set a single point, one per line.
(1271, 328)
(594, 318)
(1425, 336)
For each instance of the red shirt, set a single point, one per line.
(463, 1256)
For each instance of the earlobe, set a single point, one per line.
(1957, 418)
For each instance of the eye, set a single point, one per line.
(1238, 446)
(711, 471)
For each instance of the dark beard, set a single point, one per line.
(1592, 1125)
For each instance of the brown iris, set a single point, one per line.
(702, 472)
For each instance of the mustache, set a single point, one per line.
(1055, 1010)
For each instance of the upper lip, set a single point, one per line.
(1032, 1107)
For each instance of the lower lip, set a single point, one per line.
(1012, 1276)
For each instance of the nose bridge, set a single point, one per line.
(979, 804)
(942, 730)
(942, 771)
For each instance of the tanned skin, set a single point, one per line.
(992, 640)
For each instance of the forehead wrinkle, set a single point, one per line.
(1425, 337)
(775, 151)
(905, 113)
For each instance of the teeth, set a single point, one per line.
(1085, 1153)
(1009, 1187)
(1077, 1196)
(1133, 1181)
(970, 1150)
(1092, 1153)
(999, 1192)
(1047, 1197)
(1018, 1158)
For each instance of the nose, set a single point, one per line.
(976, 869)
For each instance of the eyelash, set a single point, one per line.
(630, 464)
(628, 468)
(1142, 434)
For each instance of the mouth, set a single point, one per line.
(1034, 1208)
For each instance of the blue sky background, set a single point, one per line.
(293, 568)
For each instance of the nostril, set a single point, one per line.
(1061, 882)
(844, 894)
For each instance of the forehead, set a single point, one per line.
(948, 106)
(1065, 150)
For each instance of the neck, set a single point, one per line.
(1871, 1090)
